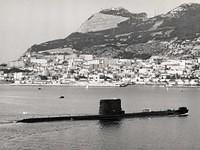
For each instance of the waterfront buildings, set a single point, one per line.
(87, 69)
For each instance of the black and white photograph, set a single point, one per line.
(99, 74)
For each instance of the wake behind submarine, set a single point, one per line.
(110, 109)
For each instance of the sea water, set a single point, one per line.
(157, 133)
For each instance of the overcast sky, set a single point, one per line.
(27, 22)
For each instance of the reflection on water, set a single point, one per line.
(109, 124)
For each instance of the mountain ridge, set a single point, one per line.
(128, 35)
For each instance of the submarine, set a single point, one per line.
(110, 109)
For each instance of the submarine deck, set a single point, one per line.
(104, 117)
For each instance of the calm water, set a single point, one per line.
(164, 133)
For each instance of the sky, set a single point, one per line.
(27, 22)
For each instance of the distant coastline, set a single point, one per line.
(68, 85)
(104, 85)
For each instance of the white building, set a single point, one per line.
(86, 57)
(16, 64)
(39, 61)
(18, 75)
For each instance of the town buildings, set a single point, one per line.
(82, 70)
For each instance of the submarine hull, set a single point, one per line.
(180, 111)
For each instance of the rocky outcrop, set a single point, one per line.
(118, 33)
(100, 21)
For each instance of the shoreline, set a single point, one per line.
(105, 85)
(67, 85)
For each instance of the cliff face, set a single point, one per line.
(100, 22)
(118, 33)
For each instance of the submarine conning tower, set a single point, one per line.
(110, 107)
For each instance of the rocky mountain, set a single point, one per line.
(118, 33)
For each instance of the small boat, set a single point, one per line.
(39, 88)
(123, 85)
(62, 96)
